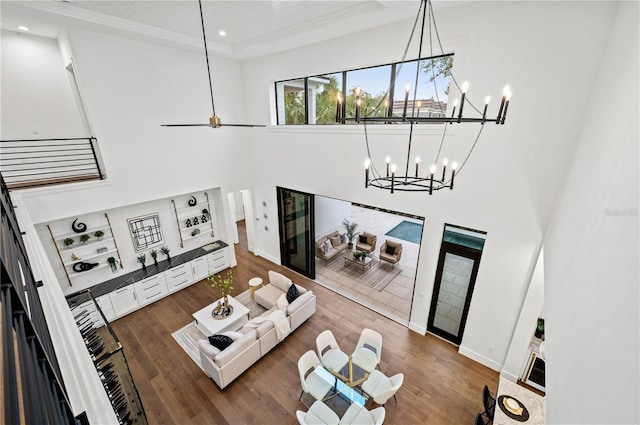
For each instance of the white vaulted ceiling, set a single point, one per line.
(254, 28)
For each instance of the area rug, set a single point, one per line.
(187, 336)
(376, 277)
(407, 231)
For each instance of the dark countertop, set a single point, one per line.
(137, 275)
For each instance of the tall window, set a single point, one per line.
(381, 91)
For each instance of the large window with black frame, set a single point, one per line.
(346, 97)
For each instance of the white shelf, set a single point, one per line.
(86, 258)
(74, 273)
(197, 226)
(89, 232)
(198, 235)
(82, 246)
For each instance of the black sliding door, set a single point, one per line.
(296, 218)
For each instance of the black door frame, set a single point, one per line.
(463, 251)
(310, 263)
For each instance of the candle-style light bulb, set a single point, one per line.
(506, 90)
(367, 163)
(393, 176)
(417, 163)
(432, 169)
(487, 100)
(454, 167)
(464, 88)
(388, 160)
(444, 167)
(453, 111)
(407, 87)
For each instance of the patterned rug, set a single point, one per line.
(378, 276)
(407, 231)
(187, 336)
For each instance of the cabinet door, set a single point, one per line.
(200, 268)
(179, 277)
(218, 260)
(104, 302)
(151, 289)
(124, 300)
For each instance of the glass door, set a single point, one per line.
(460, 254)
(295, 217)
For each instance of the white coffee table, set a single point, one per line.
(210, 326)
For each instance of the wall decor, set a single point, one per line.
(74, 257)
(83, 267)
(193, 202)
(101, 250)
(145, 231)
(81, 227)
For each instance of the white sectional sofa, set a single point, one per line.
(255, 340)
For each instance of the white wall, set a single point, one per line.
(592, 324)
(330, 213)
(506, 189)
(36, 101)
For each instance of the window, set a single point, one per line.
(381, 90)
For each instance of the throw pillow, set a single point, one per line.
(327, 244)
(292, 293)
(391, 250)
(220, 341)
(335, 241)
(343, 238)
(323, 247)
(362, 239)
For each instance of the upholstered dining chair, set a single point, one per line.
(368, 351)
(318, 413)
(489, 403)
(329, 352)
(381, 388)
(311, 383)
(391, 252)
(357, 414)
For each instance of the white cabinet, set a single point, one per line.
(179, 277)
(218, 260)
(200, 268)
(104, 302)
(151, 289)
(124, 300)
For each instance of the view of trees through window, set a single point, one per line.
(314, 100)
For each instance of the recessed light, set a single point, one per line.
(23, 28)
(222, 33)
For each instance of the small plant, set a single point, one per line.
(112, 264)
(68, 242)
(350, 228)
(154, 255)
(359, 255)
(99, 234)
(224, 285)
(195, 232)
(165, 251)
(142, 258)
(84, 238)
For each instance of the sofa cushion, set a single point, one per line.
(362, 238)
(323, 248)
(267, 296)
(335, 241)
(220, 341)
(208, 349)
(292, 293)
(298, 302)
(234, 349)
(280, 281)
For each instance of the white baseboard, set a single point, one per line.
(417, 328)
(263, 254)
(480, 358)
(509, 376)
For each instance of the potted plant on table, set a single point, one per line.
(225, 286)
(350, 228)
(154, 255)
(142, 258)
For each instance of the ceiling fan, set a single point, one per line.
(214, 120)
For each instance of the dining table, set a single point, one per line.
(516, 405)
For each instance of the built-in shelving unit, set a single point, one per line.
(84, 257)
(195, 216)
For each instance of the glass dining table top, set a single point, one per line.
(340, 397)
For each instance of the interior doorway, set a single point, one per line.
(458, 265)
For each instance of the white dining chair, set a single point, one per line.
(329, 352)
(368, 351)
(318, 414)
(310, 382)
(357, 414)
(381, 388)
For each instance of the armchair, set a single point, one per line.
(366, 242)
(391, 252)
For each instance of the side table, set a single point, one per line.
(254, 283)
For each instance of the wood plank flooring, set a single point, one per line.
(440, 385)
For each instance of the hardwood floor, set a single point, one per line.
(440, 385)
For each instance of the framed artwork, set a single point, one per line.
(145, 231)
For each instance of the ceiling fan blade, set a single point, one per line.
(242, 125)
(185, 125)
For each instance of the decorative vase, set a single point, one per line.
(222, 310)
(144, 267)
(155, 262)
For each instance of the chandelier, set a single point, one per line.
(437, 178)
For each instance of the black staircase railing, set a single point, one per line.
(32, 385)
(42, 162)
